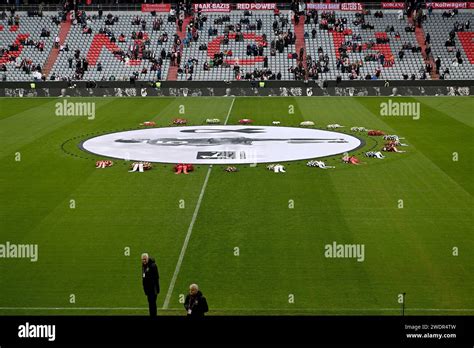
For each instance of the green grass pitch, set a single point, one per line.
(81, 250)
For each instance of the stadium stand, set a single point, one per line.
(238, 45)
(355, 46)
(25, 44)
(117, 46)
(451, 36)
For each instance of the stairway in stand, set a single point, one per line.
(53, 55)
(420, 38)
(300, 41)
(173, 70)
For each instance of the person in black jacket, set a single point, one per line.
(195, 303)
(151, 282)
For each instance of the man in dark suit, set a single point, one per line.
(151, 282)
(195, 303)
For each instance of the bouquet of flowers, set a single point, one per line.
(183, 168)
(319, 164)
(334, 126)
(350, 159)
(358, 129)
(307, 124)
(245, 121)
(104, 164)
(135, 165)
(231, 169)
(374, 154)
(213, 121)
(276, 123)
(391, 146)
(148, 124)
(277, 168)
(180, 121)
(375, 133)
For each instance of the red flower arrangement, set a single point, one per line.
(350, 159)
(180, 121)
(103, 164)
(375, 133)
(183, 168)
(148, 124)
(245, 121)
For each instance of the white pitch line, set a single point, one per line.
(186, 240)
(190, 228)
(228, 114)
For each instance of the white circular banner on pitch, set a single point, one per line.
(221, 144)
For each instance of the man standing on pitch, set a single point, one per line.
(151, 282)
(195, 303)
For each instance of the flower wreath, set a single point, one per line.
(245, 121)
(146, 165)
(319, 164)
(180, 121)
(148, 124)
(104, 164)
(358, 129)
(272, 166)
(183, 168)
(374, 154)
(350, 159)
(307, 124)
(375, 133)
(277, 168)
(231, 169)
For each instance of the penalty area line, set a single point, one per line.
(191, 225)
(228, 113)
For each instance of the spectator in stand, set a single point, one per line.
(428, 67)
(45, 33)
(438, 64)
(158, 73)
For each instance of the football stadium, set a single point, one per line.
(295, 159)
